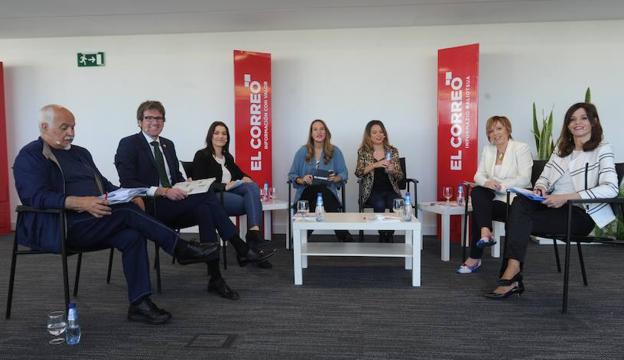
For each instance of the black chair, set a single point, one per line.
(616, 203)
(404, 184)
(291, 206)
(65, 252)
(536, 171)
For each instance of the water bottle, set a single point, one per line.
(72, 333)
(407, 209)
(266, 191)
(460, 195)
(388, 157)
(320, 211)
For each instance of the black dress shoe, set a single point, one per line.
(220, 287)
(254, 256)
(147, 312)
(264, 264)
(189, 253)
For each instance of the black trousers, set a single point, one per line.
(527, 217)
(380, 201)
(330, 203)
(484, 210)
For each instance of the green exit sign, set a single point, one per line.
(90, 59)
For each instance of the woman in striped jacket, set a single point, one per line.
(581, 167)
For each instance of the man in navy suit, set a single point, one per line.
(146, 159)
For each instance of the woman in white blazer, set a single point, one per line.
(581, 154)
(504, 163)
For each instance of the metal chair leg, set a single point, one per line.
(566, 274)
(110, 265)
(557, 255)
(65, 280)
(157, 267)
(7, 315)
(77, 279)
(224, 251)
(582, 262)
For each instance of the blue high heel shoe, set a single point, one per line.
(486, 242)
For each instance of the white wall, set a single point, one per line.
(346, 77)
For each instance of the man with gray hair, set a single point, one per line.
(50, 172)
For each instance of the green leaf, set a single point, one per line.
(536, 131)
(588, 95)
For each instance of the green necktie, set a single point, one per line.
(160, 165)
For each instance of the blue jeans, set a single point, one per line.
(244, 200)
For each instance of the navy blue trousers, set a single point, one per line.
(126, 230)
(204, 210)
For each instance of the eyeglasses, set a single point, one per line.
(153, 118)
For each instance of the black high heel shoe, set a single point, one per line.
(517, 288)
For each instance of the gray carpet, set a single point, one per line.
(348, 308)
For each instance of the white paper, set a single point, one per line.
(123, 195)
(195, 186)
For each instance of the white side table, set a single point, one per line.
(441, 207)
(267, 207)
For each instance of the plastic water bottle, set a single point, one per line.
(388, 157)
(460, 195)
(266, 191)
(320, 211)
(407, 210)
(72, 333)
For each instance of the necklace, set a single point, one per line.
(500, 156)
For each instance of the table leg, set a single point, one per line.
(420, 218)
(416, 245)
(445, 245)
(242, 225)
(267, 224)
(409, 240)
(298, 272)
(304, 240)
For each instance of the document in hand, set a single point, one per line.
(527, 193)
(195, 186)
(320, 177)
(123, 195)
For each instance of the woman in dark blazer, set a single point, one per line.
(241, 194)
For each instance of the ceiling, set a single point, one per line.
(47, 18)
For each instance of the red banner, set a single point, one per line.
(5, 206)
(253, 104)
(458, 98)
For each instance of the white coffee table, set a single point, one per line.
(410, 250)
(441, 207)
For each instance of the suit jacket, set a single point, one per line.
(136, 165)
(515, 170)
(205, 166)
(40, 184)
(601, 179)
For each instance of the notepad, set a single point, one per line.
(195, 186)
(527, 193)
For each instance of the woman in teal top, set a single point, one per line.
(318, 157)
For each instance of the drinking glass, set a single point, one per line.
(303, 207)
(263, 196)
(447, 192)
(56, 326)
(272, 193)
(397, 207)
